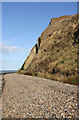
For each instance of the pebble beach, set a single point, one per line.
(31, 97)
(0, 97)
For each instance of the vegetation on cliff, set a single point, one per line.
(55, 55)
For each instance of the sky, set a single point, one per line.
(22, 24)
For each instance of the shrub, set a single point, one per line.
(28, 73)
(72, 80)
(62, 61)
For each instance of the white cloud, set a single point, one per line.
(5, 48)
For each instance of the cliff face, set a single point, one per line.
(55, 54)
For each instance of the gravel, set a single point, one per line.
(0, 97)
(31, 97)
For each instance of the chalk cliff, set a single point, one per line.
(55, 55)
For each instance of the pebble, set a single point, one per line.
(39, 103)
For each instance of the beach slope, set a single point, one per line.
(27, 96)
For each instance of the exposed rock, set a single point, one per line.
(55, 53)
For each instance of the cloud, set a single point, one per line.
(5, 48)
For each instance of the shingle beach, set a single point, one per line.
(31, 97)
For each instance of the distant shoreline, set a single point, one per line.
(3, 72)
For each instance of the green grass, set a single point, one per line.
(61, 62)
(73, 80)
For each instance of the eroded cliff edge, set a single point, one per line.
(55, 55)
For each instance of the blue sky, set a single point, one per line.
(23, 23)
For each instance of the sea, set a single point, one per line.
(7, 71)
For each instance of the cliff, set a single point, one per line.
(55, 54)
